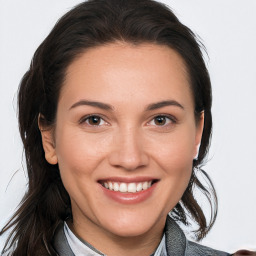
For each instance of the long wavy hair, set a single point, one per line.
(46, 203)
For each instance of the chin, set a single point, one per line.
(133, 225)
(130, 230)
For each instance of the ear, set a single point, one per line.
(199, 133)
(48, 142)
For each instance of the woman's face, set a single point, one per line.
(125, 137)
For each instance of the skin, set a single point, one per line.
(126, 142)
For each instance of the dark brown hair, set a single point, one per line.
(97, 22)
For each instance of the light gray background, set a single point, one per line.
(228, 29)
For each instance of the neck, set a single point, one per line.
(114, 245)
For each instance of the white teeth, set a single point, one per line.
(127, 187)
(139, 187)
(123, 187)
(116, 186)
(132, 187)
(145, 185)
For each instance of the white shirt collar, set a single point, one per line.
(79, 247)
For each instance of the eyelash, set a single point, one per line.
(172, 120)
(86, 119)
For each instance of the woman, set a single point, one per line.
(115, 117)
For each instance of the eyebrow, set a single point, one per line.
(106, 106)
(93, 104)
(162, 104)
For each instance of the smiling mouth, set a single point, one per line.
(132, 187)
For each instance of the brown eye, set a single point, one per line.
(94, 120)
(160, 120)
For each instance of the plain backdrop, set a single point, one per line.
(228, 30)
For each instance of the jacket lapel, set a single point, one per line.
(176, 242)
(61, 244)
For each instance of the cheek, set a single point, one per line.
(176, 151)
(175, 157)
(79, 156)
(177, 166)
(78, 153)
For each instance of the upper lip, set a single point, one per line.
(128, 179)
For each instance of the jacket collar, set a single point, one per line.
(60, 242)
(176, 241)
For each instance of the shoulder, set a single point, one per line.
(200, 250)
(177, 243)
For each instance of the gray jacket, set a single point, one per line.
(176, 243)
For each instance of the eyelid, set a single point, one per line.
(168, 116)
(86, 117)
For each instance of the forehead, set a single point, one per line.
(124, 70)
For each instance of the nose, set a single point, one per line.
(128, 151)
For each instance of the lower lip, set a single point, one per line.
(129, 198)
